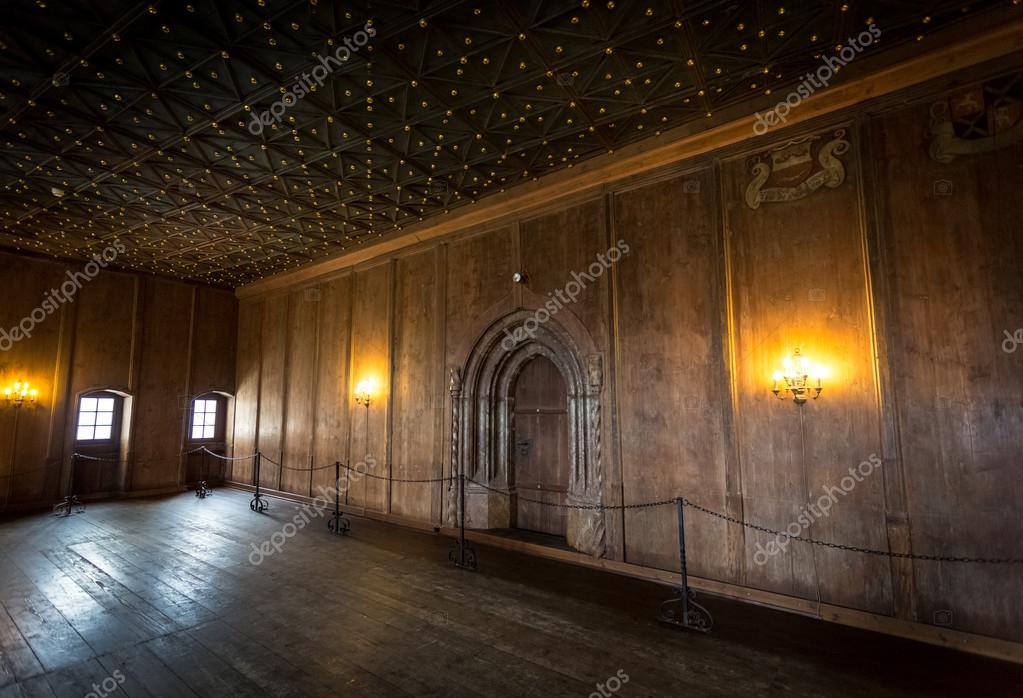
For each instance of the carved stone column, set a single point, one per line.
(451, 496)
(586, 529)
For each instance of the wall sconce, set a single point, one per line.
(800, 378)
(364, 391)
(20, 393)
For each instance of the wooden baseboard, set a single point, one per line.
(994, 648)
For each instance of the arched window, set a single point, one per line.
(99, 418)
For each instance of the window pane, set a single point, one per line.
(88, 404)
(207, 432)
(84, 433)
(104, 418)
(197, 419)
(102, 433)
(211, 418)
(105, 404)
(197, 431)
(87, 419)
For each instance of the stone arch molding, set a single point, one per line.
(482, 410)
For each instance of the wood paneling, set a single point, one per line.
(162, 402)
(371, 328)
(479, 270)
(563, 247)
(247, 404)
(875, 279)
(798, 280)
(332, 424)
(122, 331)
(216, 333)
(953, 265)
(29, 471)
(671, 396)
(303, 317)
(273, 340)
(416, 393)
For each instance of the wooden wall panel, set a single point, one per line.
(671, 393)
(162, 387)
(216, 335)
(104, 330)
(798, 280)
(27, 474)
(416, 393)
(371, 322)
(303, 316)
(479, 270)
(331, 427)
(273, 369)
(953, 265)
(561, 247)
(249, 373)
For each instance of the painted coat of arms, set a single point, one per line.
(978, 119)
(797, 169)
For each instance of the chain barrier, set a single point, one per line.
(581, 507)
(854, 548)
(395, 479)
(763, 529)
(235, 458)
(606, 507)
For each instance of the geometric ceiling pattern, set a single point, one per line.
(204, 138)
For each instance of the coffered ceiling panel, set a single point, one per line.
(225, 141)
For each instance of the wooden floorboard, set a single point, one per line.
(160, 596)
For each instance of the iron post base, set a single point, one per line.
(338, 524)
(464, 557)
(683, 612)
(202, 490)
(71, 502)
(258, 504)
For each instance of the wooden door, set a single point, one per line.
(541, 455)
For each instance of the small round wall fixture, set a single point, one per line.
(519, 277)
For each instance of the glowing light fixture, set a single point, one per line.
(20, 393)
(800, 379)
(364, 391)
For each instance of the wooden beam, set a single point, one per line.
(673, 146)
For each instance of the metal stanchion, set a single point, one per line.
(683, 611)
(258, 504)
(202, 490)
(338, 523)
(463, 555)
(71, 500)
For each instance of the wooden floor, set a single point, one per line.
(159, 598)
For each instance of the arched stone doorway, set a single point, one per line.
(482, 409)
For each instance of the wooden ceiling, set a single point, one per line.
(134, 122)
